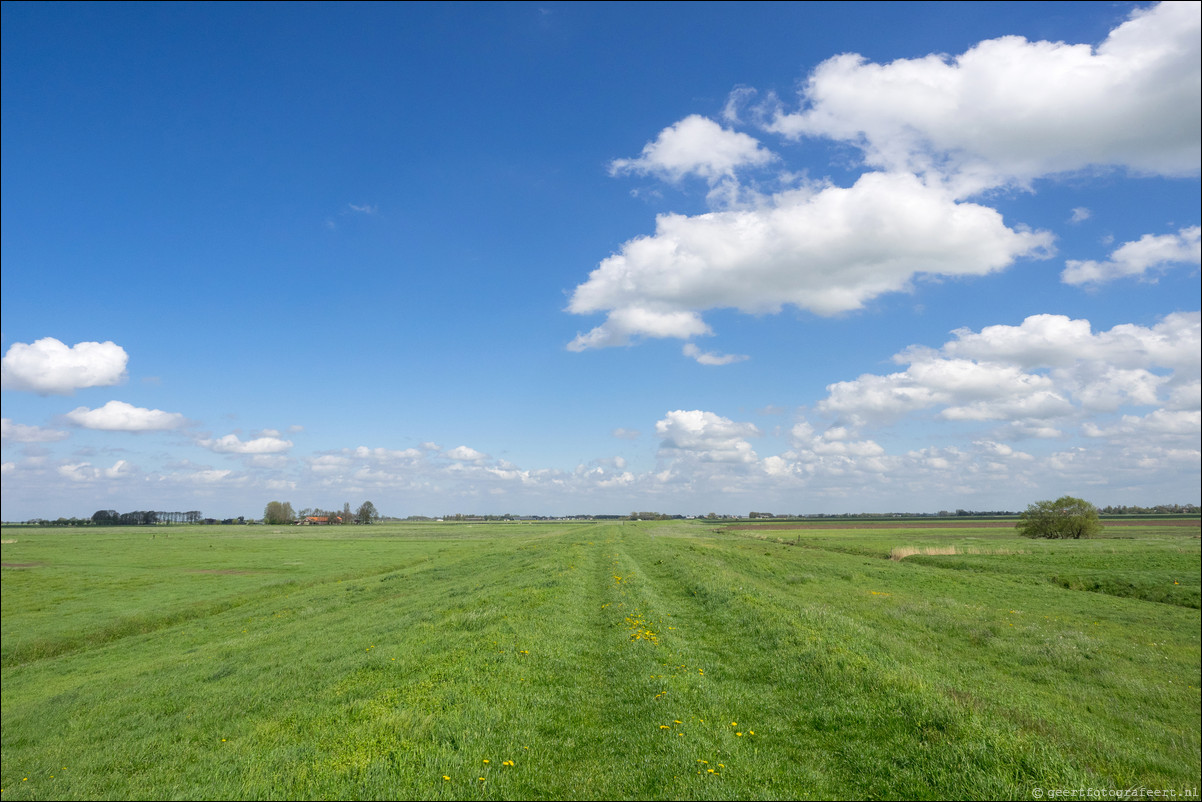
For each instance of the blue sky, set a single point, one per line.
(560, 258)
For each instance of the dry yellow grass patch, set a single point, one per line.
(900, 553)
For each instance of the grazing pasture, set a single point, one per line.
(597, 661)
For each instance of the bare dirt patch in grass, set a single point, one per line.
(20, 565)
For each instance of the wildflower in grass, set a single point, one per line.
(485, 761)
(664, 727)
(734, 723)
(739, 734)
(445, 777)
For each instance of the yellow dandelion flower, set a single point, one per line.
(734, 723)
(486, 761)
(751, 732)
(445, 777)
(664, 727)
(739, 734)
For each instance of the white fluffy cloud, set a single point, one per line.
(710, 357)
(1150, 252)
(231, 444)
(704, 436)
(20, 433)
(50, 367)
(118, 416)
(1011, 110)
(1058, 341)
(81, 472)
(1047, 368)
(466, 454)
(827, 251)
(1159, 425)
(699, 146)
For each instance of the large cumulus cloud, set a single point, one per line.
(827, 251)
(1009, 110)
(51, 367)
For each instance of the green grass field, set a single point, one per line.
(675, 660)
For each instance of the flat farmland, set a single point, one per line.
(675, 660)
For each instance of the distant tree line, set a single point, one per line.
(135, 518)
(459, 516)
(145, 517)
(1159, 509)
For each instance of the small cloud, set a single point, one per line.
(1080, 215)
(86, 472)
(465, 454)
(20, 433)
(1151, 252)
(118, 416)
(365, 208)
(710, 358)
(230, 444)
(705, 436)
(695, 145)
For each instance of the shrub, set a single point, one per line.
(1066, 517)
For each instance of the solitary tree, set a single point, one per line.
(366, 513)
(1066, 517)
(278, 513)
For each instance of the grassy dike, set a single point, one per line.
(627, 660)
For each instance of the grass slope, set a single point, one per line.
(595, 661)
